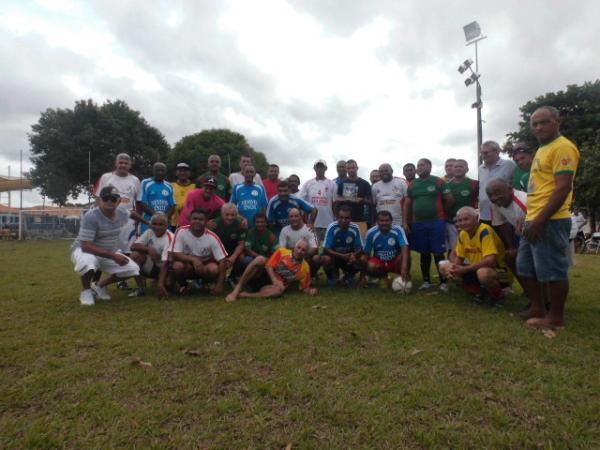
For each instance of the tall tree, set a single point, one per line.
(63, 140)
(229, 145)
(579, 107)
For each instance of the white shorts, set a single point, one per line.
(84, 262)
(451, 236)
(127, 236)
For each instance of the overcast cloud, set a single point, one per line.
(301, 79)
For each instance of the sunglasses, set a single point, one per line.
(110, 198)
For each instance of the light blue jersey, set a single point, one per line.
(277, 210)
(249, 199)
(343, 241)
(156, 195)
(385, 246)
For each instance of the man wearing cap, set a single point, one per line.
(249, 197)
(128, 187)
(223, 188)
(523, 157)
(280, 205)
(320, 192)
(97, 246)
(181, 187)
(204, 198)
(156, 195)
(239, 178)
(272, 181)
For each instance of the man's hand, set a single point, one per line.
(163, 292)
(406, 228)
(229, 261)
(154, 255)
(279, 284)
(458, 271)
(197, 265)
(121, 260)
(533, 231)
(217, 290)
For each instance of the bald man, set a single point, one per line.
(485, 274)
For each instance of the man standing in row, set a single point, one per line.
(321, 193)
(356, 193)
(279, 207)
(181, 187)
(223, 186)
(389, 193)
(238, 177)
(491, 168)
(272, 181)
(156, 195)
(249, 197)
(464, 191)
(542, 258)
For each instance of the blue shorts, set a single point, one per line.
(546, 260)
(428, 237)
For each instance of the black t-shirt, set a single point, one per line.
(358, 188)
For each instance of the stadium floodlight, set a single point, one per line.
(473, 35)
(464, 66)
(472, 31)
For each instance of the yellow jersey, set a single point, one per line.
(556, 158)
(179, 192)
(485, 242)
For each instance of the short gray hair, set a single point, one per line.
(468, 210)
(229, 207)
(492, 144)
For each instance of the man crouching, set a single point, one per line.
(270, 278)
(478, 263)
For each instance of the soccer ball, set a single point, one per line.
(401, 286)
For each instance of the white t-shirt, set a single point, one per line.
(289, 237)
(238, 178)
(206, 247)
(388, 197)
(321, 194)
(160, 244)
(514, 214)
(128, 187)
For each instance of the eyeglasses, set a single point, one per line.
(110, 198)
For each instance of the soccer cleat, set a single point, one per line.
(137, 292)
(100, 292)
(123, 285)
(426, 285)
(444, 289)
(87, 297)
(478, 299)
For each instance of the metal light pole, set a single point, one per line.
(473, 35)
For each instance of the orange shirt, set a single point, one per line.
(289, 270)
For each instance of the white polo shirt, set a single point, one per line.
(206, 247)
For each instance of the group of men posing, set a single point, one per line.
(266, 234)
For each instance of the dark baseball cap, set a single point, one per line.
(109, 191)
(210, 181)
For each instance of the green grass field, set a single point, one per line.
(345, 369)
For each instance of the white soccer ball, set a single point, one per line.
(401, 286)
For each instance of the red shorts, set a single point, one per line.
(386, 266)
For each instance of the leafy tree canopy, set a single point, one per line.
(579, 108)
(196, 148)
(63, 138)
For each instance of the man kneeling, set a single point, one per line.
(198, 254)
(270, 278)
(478, 261)
(150, 251)
(96, 246)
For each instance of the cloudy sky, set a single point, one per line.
(376, 81)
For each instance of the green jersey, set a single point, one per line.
(465, 194)
(264, 243)
(427, 202)
(223, 186)
(520, 179)
(230, 235)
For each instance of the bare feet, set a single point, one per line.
(532, 314)
(232, 297)
(543, 323)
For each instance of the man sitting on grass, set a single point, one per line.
(386, 248)
(342, 249)
(296, 231)
(270, 278)
(96, 246)
(197, 254)
(485, 272)
(150, 251)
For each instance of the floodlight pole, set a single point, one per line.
(478, 105)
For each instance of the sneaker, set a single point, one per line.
(87, 297)
(478, 299)
(444, 289)
(100, 292)
(349, 281)
(137, 292)
(123, 285)
(426, 285)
